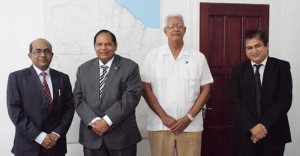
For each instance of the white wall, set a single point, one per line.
(23, 21)
(20, 23)
(288, 39)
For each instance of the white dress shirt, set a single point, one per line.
(40, 138)
(108, 64)
(261, 69)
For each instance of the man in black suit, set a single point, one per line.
(107, 91)
(261, 95)
(40, 105)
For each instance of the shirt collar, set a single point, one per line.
(38, 71)
(263, 63)
(183, 51)
(107, 64)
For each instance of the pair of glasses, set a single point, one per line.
(178, 26)
(40, 51)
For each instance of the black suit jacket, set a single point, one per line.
(29, 111)
(275, 103)
(121, 95)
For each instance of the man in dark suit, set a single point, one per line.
(107, 91)
(40, 107)
(261, 95)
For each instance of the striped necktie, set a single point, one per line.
(102, 79)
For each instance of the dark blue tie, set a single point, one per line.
(258, 90)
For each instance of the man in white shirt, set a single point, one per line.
(176, 85)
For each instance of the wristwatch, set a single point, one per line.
(190, 116)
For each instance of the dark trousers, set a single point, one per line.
(105, 151)
(260, 149)
(45, 152)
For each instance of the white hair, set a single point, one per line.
(174, 15)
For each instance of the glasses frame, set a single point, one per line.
(178, 26)
(40, 51)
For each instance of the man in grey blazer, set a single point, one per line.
(107, 91)
(42, 118)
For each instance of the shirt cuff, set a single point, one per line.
(96, 118)
(107, 119)
(56, 134)
(40, 138)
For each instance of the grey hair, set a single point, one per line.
(174, 15)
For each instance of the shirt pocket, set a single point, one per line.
(160, 82)
(192, 88)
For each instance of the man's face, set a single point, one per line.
(175, 29)
(105, 47)
(256, 50)
(41, 54)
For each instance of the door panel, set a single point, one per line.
(216, 26)
(221, 41)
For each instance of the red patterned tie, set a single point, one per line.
(46, 88)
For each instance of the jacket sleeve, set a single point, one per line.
(16, 112)
(282, 95)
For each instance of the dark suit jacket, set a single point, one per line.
(120, 96)
(29, 111)
(275, 103)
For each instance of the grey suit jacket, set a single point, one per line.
(121, 95)
(28, 109)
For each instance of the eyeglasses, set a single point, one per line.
(40, 51)
(172, 26)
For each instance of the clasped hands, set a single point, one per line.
(176, 126)
(258, 132)
(50, 140)
(99, 126)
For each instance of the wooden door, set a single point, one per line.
(221, 40)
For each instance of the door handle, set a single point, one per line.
(204, 111)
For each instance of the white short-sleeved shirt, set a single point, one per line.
(175, 83)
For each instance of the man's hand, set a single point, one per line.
(168, 121)
(258, 132)
(180, 125)
(50, 140)
(100, 127)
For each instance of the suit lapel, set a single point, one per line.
(267, 74)
(111, 74)
(95, 80)
(249, 76)
(55, 86)
(248, 84)
(36, 87)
